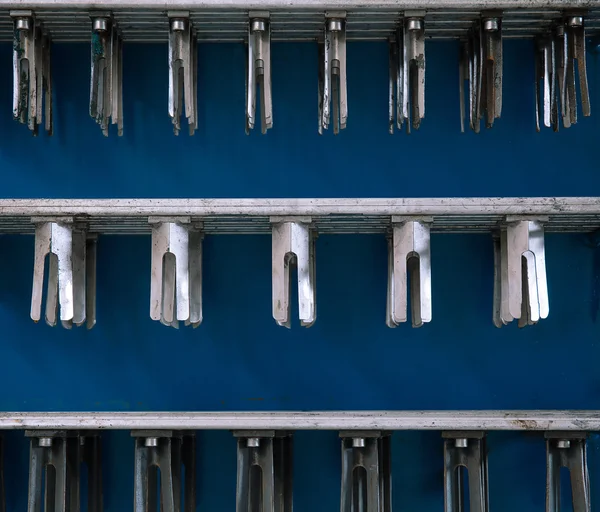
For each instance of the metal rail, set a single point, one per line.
(361, 215)
(320, 420)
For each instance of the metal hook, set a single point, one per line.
(409, 253)
(258, 76)
(176, 278)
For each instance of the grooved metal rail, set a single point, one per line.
(588, 420)
(252, 216)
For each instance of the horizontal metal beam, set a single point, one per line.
(340, 420)
(360, 215)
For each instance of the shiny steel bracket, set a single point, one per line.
(413, 69)
(568, 450)
(491, 68)
(465, 451)
(396, 83)
(71, 272)
(409, 255)
(106, 81)
(520, 287)
(570, 44)
(366, 472)
(167, 451)
(293, 243)
(32, 74)
(470, 71)
(332, 73)
(546, 93)
(176, 275)
(264, 471)
(258, 72)
(64, 451)
(183, 71)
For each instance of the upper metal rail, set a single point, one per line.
(586, 421)
(361, 215)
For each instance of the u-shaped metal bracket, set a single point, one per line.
(520, 286)
(71, 272)
(409, 254)
(167, 451)
(264, 471)
(465, 450)
(568, 450)
(176, 276)
(366, 472)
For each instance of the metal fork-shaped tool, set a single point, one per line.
(176, 276)
(293, 243)
(568, 450)
(546, 97)
(170, 452)
(409, 255)
(106, 81)
(366, 472)
(332, 74)
(465, 452)
(183, 71)
(258, 72)
(520, 287)
(71, 273)
(32, 76)
(264, 471)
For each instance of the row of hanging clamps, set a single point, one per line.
(520, 285)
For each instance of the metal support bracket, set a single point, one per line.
(264, 471)
(409, 255)
(332, 73)
(465, 450)
(71, 273)
(168, 451)
(546, 104)
(293, 243)
(366, 472)
(183, 70)
(258, 71)
(413, 73)
(520, 286)
(491, 67)
(32, 74)
(176, 276)
(568, 450)
(106, 82)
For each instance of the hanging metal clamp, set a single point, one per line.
(264, 471)
(106, 81)
(409, 256)
(366, 468)
(258, 72)
(176, 275)
(32, 76)
(520, 286)
(567, 450)
(71, 274)
(465, 450)
(293, 244)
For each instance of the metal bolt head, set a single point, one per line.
(415, 24)
(23, 23)
(100, 25)
(178, 24)
(461, 442)
(45, 442)
(490, 24)
(253, 442)
(258, 25)
(151, 442)
(563, 443)
(560, 30)
(334, 25)
(575, 21)
(358, 442)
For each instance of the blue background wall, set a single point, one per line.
(239, 359)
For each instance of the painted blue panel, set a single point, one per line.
(239, 359)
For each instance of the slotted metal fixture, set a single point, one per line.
(32, 74)
(258, 73)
